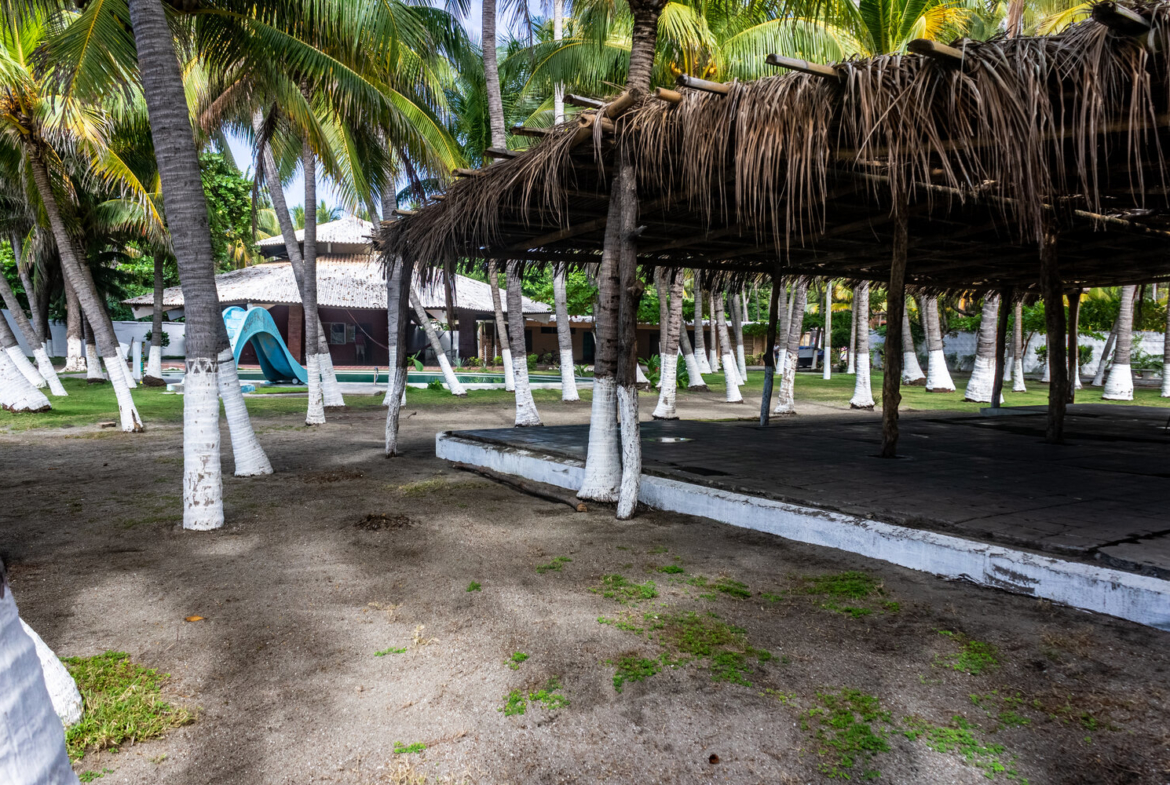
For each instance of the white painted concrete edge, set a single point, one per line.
(1138, 598)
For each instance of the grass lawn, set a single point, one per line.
(89, 404)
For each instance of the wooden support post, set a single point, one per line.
(1001, 326)
(1074, 313)
(770, 348)
(895, 305)
(1053, 290)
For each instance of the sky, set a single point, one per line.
(294, 191)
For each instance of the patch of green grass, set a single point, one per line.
(90, 776)
(515, 660)
(785, 698)
(474, 586)
(603, 620)
(848, 610)
(959, 737)
(548, 697)
(852, 585)
(730, 666)
(514, 704)
(672, 569)
(555, 565)
(122, 701)
(633, 668)
(391, 650)
(625, 591)
(659, 549)
(851, 728)
(732, 588)
(974, 657)
(1003, 708)
(409, 749)
(771, 597)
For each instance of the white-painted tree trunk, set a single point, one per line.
(127, 412)
(701, 355)
(16, 392)
(154, 363)
(938, 376)
(786, 390)
(1166, 355)
(736, 307)
(93, 364)
(667, 393)
(32, 738)
(603, 469)
(631, 440)
(330, 389)
(27, 369)
(1047, 376)
(502, 339)
(63, 693)
(249, 456)
(124, 368)
(45, 366)
(641, 379)
(136, 360)
(982, 382)
(670, 321)
(730, 374)
(1018, 349)
(315, 415)
(453, 383)
(74, 355)
(564, 336)
(695, 379)
(509, 373)
(911, 370)
(827, 371)
(786, 401)
(202, 478)
(526, 414)
(1119, 384)
(863, 384)
(1018, 384)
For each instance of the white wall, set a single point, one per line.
(126, 331)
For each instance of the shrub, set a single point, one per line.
(471, 362)
(164, 341)
(497, 360)
(532, 358)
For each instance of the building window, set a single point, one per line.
(340, 333)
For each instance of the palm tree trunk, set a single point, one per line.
(670, 287)
(564, 339)
(827, 373)
(394, 304)
(736, 306)
(1103, 362)
(17, 393)
(1052, 286)
(1018, 350)
(938, 376)
(894, 346)
(316, 411)
(33, 749)
(911, 370)
(690, 359)
(12, 348)
(208, 350)
(630, 293)
(93, 363)
(603, 467)
(730, 374)
(700, 337)
(982, 380)
(400, 278)
(1119, 385)
(76, 276)
(526, 414)
(44, 368)
(863, 384)
(491, 70)
(1166, 354)
(786, 400)
(29, 292)
(770, 348)
(851, 359)
(75, 360)
(330, 390)
(501, 327)
(713, 353)
(784, 304)
(453, 382)
(154, 362)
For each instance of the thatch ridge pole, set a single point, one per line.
(803, 66)
(1052, 287)
(524, 130)
(582, 102)
(770, 348)
(1074, 313)
(937, 51)
(500, 153)
(670, 96)
(895, 305)
(718, 88)
(1001, 326)
(1120, 19)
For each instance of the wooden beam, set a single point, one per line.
(404, 213)
(804, 66)
(670, 96)
(619, 105)
(719, 88)
(583, 102)
(536, 133)
(500, 153)
(468, 172)
(1120, 19)
(936, 51)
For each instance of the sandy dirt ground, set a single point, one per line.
(302, 587)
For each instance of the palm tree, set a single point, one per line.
(670, 302)
(786, 400)
(453, 383)
(1119, 385)
(736, 306)
(700, 338)
(862, 385)
(730, 374)
(938, 376)
(44, 369)
(982, 381)
(1018, 349)
(911, 370)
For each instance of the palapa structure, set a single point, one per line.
(1025, 166)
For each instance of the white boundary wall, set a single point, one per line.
(1137, 598)
(126, 331)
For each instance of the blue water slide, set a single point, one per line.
(255, 325)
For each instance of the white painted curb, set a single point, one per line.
(1138, 598)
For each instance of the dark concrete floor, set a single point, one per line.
(1103, 496)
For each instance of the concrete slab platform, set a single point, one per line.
(971, 501)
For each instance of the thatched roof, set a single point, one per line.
(986, 141)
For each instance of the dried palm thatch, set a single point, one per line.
(984, 144)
